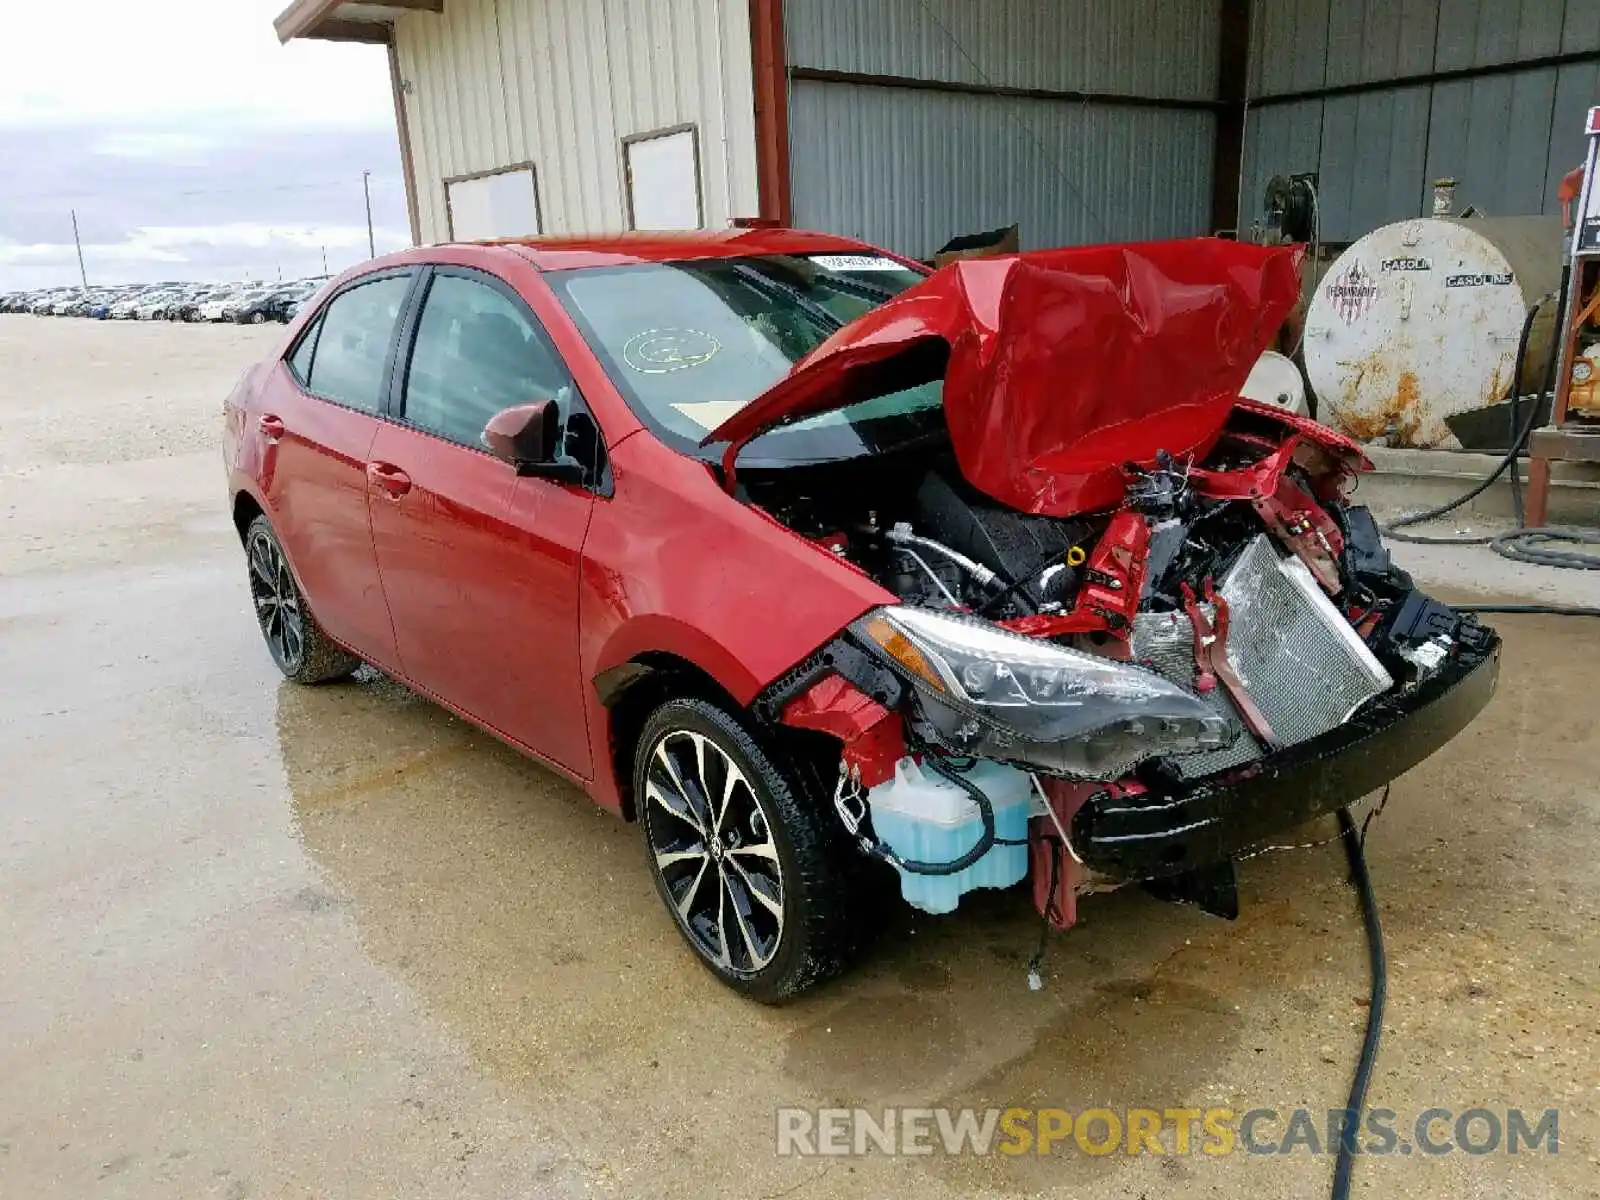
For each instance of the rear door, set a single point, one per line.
(480, 567)
(319, 415)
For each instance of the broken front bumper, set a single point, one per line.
(1176, 828)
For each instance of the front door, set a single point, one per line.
(319, 414)
(480, 567)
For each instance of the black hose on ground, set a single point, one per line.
(1355, 851)
(1549, 610)
(1519, 437)
(1522, 544)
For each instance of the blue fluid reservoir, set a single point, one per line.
(922, 816)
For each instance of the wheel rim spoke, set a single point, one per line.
(722, 955)
(746, 934)
(764, 850)
(677, 806)
(719, 829)
(757, 893)
(261, 564)
(687, 898)
(277, 603)
(670, 858)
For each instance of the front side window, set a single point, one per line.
(688, 344)
(352, 347)
(477, 352)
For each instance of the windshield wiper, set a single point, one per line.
(819, 316)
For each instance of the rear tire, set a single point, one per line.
(745, 852)
(303, 652)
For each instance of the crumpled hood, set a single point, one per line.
(1059, 365)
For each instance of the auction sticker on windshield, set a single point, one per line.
(856, 262)
(708, 414)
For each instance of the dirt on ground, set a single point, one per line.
(271, 941)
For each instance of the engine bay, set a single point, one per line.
(926, 535)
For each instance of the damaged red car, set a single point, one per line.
(818, 566)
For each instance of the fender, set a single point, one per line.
(658, 633)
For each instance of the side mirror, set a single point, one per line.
(529, 438)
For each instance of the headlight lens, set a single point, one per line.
(998, 695)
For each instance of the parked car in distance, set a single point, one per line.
(277, 305)
(805, 623)
(167, 301)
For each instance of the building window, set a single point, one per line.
(662, 172)
(493, 204)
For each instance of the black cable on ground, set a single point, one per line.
(1551, 610)
(1355, 850)
(1522, 544)
(1510, 457)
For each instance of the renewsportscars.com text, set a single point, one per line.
(842, 1132)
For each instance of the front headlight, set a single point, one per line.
(995, 694)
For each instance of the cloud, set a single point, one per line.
(209, 63)
(222, 254)
(188, 142)
(215, 251)
(170, 146)
(185, 206)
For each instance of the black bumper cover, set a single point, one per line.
(1172, 829)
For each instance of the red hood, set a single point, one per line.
(1059, 365)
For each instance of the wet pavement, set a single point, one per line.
(271, 941)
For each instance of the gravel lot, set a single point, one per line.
(266, 941)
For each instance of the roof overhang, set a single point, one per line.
(347, 20)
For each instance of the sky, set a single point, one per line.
(190, 143)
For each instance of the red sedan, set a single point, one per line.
(804, 561)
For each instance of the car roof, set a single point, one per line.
(623, 249)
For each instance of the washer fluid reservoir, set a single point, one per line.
(924, 817)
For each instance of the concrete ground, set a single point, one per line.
(269, 941)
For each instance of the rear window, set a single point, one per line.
(353, 338)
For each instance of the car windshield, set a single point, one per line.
(688, 344)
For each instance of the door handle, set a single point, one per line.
(390, 478)
(271, 427)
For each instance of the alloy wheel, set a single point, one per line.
(711, 842)
(277, 602)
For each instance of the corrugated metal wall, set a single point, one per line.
(909, 168)
(559, 83)
(1507, 138)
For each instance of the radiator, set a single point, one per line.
(1297, 657)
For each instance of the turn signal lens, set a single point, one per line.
(900, 648)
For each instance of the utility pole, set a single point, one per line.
(366, 187)
(78, 242)
(324, 262)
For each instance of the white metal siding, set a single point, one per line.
(559, 83)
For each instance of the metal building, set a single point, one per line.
(1382, 97)
(909, 121)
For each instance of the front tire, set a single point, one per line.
(303, 652)
(743, 851)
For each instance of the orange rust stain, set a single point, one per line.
(1399, 416)
(1497, 388)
